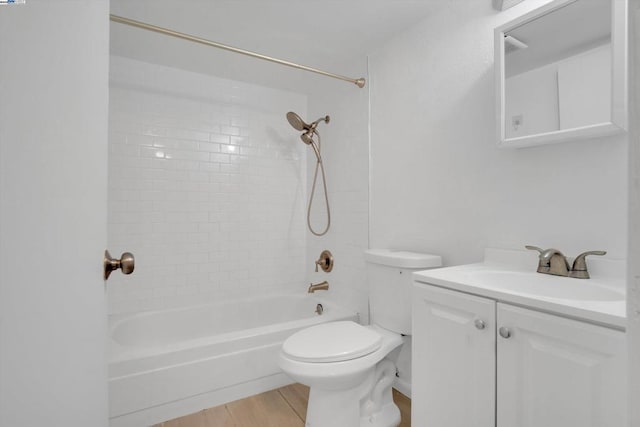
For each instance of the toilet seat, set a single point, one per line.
(332, 342)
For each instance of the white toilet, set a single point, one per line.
(345, 364)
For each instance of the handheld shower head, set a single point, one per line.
(316, 151)
(307, 137)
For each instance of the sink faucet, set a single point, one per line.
(552, 261)
(322, 286)
(579, 270)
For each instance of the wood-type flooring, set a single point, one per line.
(283, 407)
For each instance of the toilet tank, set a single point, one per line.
(389, 277)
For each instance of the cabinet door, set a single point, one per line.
(556, 372)
(453, 359)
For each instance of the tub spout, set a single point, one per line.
(324, 286)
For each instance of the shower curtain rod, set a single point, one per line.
(122, 20)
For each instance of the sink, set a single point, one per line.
(509, 277)
(544, 285)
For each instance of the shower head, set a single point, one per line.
(296, 121)
(298, 124)
(309, 130)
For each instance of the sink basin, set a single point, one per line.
(544, 285)
(508, 277)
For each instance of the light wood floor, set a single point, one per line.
(284, 407)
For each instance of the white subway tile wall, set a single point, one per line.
(207, 187)
(345, 148)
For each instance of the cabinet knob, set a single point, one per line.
(479, 324)
(504, 332)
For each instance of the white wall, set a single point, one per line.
(566, 94)
(207, 187)
(53, 145)
(584, 88)
(531, 98)
(633, 273)
(438, 182)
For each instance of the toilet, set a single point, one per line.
(348, 367)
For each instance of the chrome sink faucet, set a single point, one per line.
(552, 261)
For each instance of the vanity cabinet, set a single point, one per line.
(482, 363)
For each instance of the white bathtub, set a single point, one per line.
(165, 364)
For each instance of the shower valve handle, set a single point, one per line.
(325, 262)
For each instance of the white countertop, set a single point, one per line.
(603, 300)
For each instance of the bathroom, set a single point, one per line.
(411, 163)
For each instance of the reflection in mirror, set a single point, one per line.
(558, 71)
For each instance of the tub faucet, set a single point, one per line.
(322, 286)
(551, 261)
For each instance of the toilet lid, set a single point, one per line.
(332, 342)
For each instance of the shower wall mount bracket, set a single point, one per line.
(325, 262)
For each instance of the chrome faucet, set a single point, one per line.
(322, 286)
(552, 261)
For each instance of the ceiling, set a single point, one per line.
(334, 35)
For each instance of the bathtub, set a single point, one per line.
(169, 363)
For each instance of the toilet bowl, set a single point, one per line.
(341, 363)
(346, 365)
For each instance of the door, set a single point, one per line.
(453, 359)
(53, 149)
(557, 372)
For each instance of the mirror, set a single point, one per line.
(561, 73)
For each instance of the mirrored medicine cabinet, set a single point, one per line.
(561, 73)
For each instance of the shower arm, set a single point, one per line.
(122, 20)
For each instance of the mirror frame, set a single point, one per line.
(619, 101)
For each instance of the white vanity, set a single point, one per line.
(497, 344)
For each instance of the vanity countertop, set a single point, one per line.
(600, 299)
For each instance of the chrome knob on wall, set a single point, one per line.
(126, 263)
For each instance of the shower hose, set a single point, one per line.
(326, 196)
